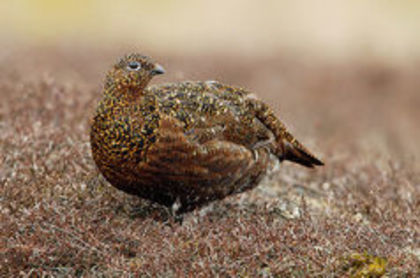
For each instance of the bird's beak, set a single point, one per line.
(158, 69)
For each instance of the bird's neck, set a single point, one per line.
(125, 95)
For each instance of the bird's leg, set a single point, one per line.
(174, 211)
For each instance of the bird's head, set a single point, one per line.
(133, 72)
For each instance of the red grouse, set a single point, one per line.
(185, 144)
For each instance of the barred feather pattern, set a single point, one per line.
(188, 142)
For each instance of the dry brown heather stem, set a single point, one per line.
(357, 215)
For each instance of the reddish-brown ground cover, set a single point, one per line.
(359, 214)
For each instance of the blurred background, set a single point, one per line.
(388, 29)
(344, 73)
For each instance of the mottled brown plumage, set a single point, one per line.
(185, 143)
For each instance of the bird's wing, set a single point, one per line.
(215, 168)
(210, 110)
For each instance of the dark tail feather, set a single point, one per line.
(299, 154)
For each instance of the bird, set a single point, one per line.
(184, 145)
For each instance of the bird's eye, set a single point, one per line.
(134, 65)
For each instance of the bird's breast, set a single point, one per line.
(122, 138)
